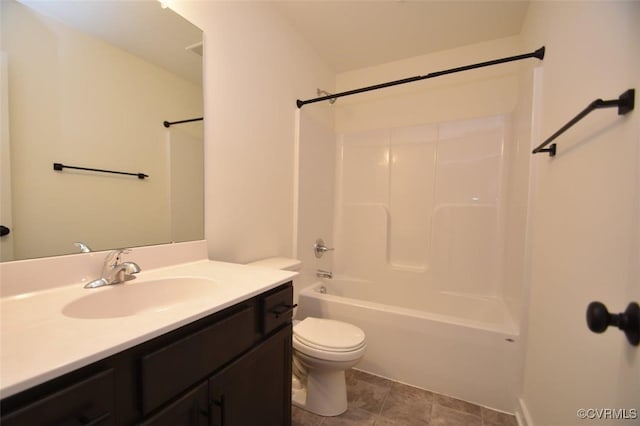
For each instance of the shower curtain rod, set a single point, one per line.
(168, 124)
(536, 54)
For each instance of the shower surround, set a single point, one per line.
(423, 262)
(419, 209)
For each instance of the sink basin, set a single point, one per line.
(134, 297)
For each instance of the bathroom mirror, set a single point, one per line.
(89, 84)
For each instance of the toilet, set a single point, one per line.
(323, 349)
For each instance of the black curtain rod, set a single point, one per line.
(60, 166)
(625, 103)
(537, 54)
(168, 124)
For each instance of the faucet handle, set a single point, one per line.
(113, 257)
(319, 248)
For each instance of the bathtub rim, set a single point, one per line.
(509, 330)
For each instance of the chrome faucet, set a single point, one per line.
(114, 272)
(319, 248)
(321, 273)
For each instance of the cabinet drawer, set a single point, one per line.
(277, 308)
(172, 369)
(87, 402)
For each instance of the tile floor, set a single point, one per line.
(381, 402)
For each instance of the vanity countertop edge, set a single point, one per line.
(38, 342)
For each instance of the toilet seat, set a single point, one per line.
(329, 340)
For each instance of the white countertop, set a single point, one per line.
(38, 341)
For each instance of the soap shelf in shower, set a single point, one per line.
(625, 103)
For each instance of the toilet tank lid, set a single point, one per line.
(284, 263)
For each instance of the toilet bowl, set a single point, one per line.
(322, 350)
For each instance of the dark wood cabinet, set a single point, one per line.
(255, 390)
(232, 368)
(173, 368)
(86, 402)
(191, 409)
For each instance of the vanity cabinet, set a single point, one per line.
(86, 402)
(249, 391)
(231, 368)
(191, 409)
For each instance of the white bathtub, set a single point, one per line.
(465, 347)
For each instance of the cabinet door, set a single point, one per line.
(87, 402)
(172, 369)
(255, 390)
(189, 410)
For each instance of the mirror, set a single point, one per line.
(89, 84)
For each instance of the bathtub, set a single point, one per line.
(462, 346)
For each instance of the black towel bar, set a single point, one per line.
(168, 124)
(625, 103)
(60, 166)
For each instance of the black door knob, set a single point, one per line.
(4, 231)
(599, 319)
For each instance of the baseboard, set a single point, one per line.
(522, 414)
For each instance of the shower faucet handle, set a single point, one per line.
(319, 248)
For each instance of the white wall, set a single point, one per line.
(6, 242)
(586, 217)
(71, 102)
(256, 66)
(315, 193)
(186, 186)
(478, 93)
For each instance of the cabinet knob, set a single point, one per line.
(599, 319)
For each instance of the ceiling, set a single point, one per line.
(141, 27)
(347, 34)
(352, 34)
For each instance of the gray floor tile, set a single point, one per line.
(367, 396)
(352, 417)
(443, 416)
(300, 417)
(496, 418)
(375, 401)
(457, 404)
(382, 421)
(408, 404)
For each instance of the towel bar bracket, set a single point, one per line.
(626, 102)
(551, 150)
